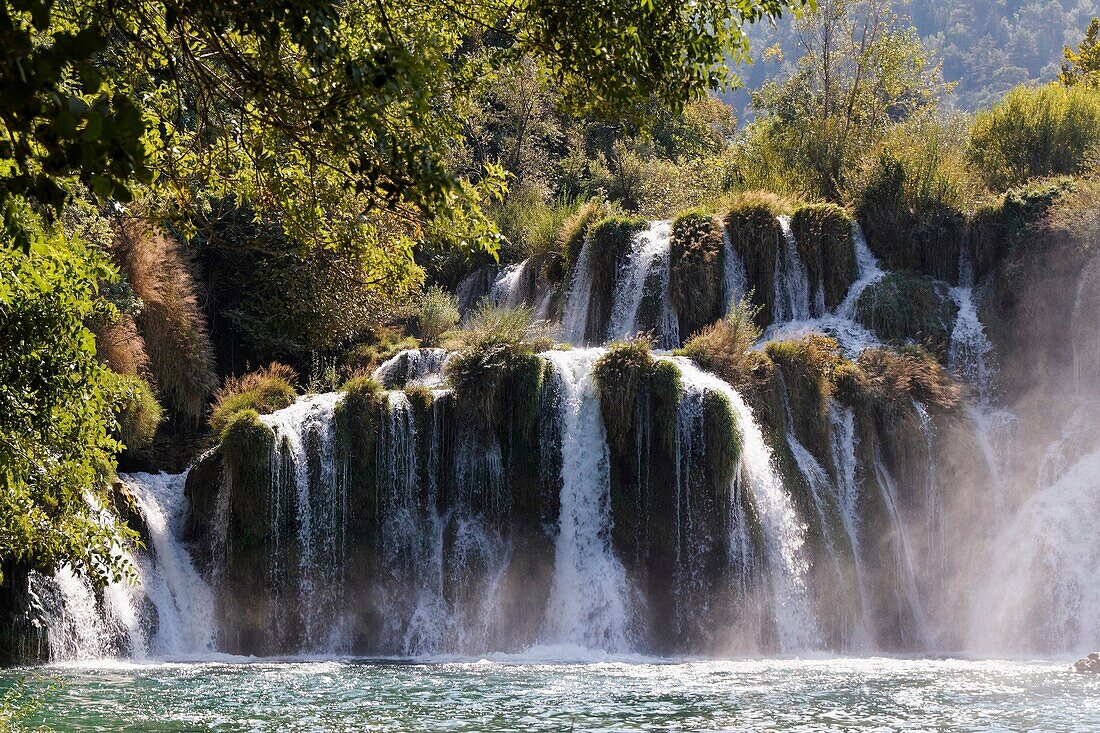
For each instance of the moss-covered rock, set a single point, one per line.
(611, 241)
(996, 228)
(723, 443)
(824, 236)
(665, 391)
(263, 391)
(204, 481)
(806, 365)
(695, 270)
(247, 445)
(622, 375)
(23, 637)
(754, 235)
(358, 419)
(907, 307)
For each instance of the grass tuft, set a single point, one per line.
(264, 391)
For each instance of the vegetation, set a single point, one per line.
(754, 235)
(723, 347)
(824, 236)
(1045, 131)
(246, 445)
(807, 365)
(438, 314)
(908, 308)
(139, 414)
(262, 391)
(1082, 66)
(695, 270)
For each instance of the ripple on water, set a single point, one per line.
(516, 694)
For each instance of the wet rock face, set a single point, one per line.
(1088, 665)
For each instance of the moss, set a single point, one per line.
(204, 480)
(246, 445)
(908, 227)
(824, 236)
(571, 237)
(695, 270)
(806, 365)
(754, 235)
(263, 391)
(723, 440)
(358, 419)
(996, 228)
(622, 374)
(420, 397)
(665, 391)
(907, 307)
(139, 414)
(524, 380)
(611, 243)
(476, 375)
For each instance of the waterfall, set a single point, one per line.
(1042, 592)
(787, 565)
(303, 431)
(423, 367)
(589, 599)
(791, 285)
(574, 322)
(648, 259)
(843, 444)
(868, 273)
(735, 281)
(968, 353)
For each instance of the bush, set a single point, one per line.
(529, 224)
(911, 214)
(824, 236)
(894, 377)
(995, 228)
(181, 356)
(491, 325)
(438, 314)
(263, 391)
(754, 235)
(139, 414)
(695, 270)
(723, 347)
(575, 229)
(383, 343)
(1044, 131)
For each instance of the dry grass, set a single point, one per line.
(180, 354)
(723, 347)
(120, 346)
(896, 377)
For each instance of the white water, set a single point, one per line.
(792, 284)
(841, 324)
(413, 367)
(589, 602)
(574, 323)
(735, 281)
(843, 444)
(796, 624)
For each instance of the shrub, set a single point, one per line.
(489, 325)
(995, 228)
(894, 377)
(139, 414)
(910, 213)
(622, 374)
(438, 314)
(181, 356)
(906, 307)
(263, 391)
(1043, 131)
(723, 347)
(383, 343)
(119, 345)
(529, 224)
(754, 235)
(824, 236)
(695, 270)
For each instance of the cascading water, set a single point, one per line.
(735, 281)
(589, 602)
(648, 261)
(422, 367)
(843, 444)
(792, 284)
(795, 621)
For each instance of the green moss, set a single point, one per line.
(723, 440)
(204, 480)
(358, 419)
(622, 374)
(246, 446)
(910, 222)
(695, 270)
(571, 237)
(420, 397)
(806, 365)
(665, 391)
(754, 235)
(824, 236)
(906, 307)
(139, 414)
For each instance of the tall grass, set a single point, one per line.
(724, 346)
(264, 390)
(1043, 131)
(438, 313)
(181, 356)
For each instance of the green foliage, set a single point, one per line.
(723, 347)
(723, 440)
(695, 270)
(622, 375)
(529, 224)
(139, 414)
(904, 307)
(575, 230)
(438, 314)
(492, 376)
(665, 392)
(56, 405)
(246, 446)
(1083, 65)
(996, 228)
(382, 344)
(824, 236)
(910, 213)
(489, 325)
(1044, 131)
(807, 366)
(263, 391)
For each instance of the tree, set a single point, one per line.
(860, 69)
(56, 405)
(1083, 65)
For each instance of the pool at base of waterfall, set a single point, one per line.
(528, 693)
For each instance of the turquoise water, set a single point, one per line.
(874, 694)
